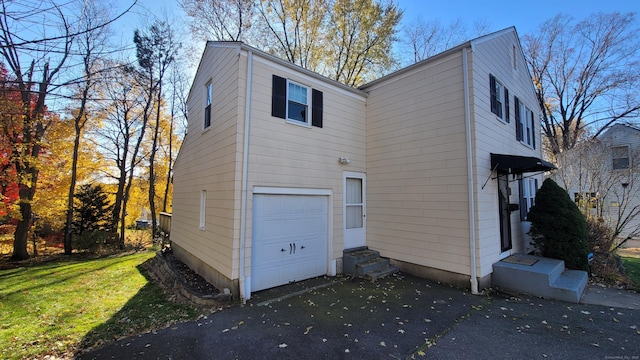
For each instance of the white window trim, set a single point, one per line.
(306, 123)
(529, 193)
(203, 209)
(208, 103)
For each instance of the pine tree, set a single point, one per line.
(92, 211)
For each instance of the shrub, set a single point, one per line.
(558, 228)
(96, 241)
(599, 235)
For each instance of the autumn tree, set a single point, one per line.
(91, 47)
(586, 74)
(156, 49)
(120, 136)
(10, 108)
(346, 40)
(37, 38)
(361, 33)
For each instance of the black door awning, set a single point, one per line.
(514, 164)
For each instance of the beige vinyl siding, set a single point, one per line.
(417, 199)
(210, 160)
(491, 135)
(288, 155)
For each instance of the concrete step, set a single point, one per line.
(539, 276)
(570, 285)
(367, 263)
(382, 272)
(371, 265)
(352, 257)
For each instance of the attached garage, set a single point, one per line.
(290, 239)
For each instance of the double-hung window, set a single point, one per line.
(499, 98)
(297, 102)
(207, 106)
(528, 188)
(620, 156)
(525, 124)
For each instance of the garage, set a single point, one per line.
(290, 239)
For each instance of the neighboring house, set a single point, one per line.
(606, 181)
(283, 170)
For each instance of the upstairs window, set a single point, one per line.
(207, 105)
(292, 101)
(499, 99)
(620, 155)
(297, 102)
(525, 124)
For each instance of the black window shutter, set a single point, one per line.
(506, 104)
(279, 97)
(517, 116)
(533, 131)
(316, 108)
(492, 91)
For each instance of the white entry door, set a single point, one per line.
(290, 239)
(354, 210)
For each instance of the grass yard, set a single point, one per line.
(56, 307)
(632, 266)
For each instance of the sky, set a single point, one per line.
(526, 16)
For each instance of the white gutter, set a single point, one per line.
(245, 290)
(470, 178)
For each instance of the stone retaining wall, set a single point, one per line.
(166, 276)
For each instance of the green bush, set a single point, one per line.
(558, 228)
(96, 241)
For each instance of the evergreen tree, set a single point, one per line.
(558, 227)
(92, 211)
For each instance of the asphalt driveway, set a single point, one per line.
(396, 318)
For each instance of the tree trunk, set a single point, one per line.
(21, 234)
(68, 249)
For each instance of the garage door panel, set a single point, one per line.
(281, 222)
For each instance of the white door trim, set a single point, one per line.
(351, 238)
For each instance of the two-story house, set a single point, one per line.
(283, 170)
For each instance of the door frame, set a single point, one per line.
(504, 213)
(361, 239)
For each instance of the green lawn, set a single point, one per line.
(53, 308)
(632, 266)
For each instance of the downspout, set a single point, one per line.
(470, 178)
(245, 294)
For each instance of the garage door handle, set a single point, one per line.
(290, 248)
(301, 247)
(283, 250)
(294, 248)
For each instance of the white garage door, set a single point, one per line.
(290, 241)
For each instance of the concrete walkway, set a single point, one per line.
(399, 317)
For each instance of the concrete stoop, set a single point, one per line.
(539, 276)
(366, 263)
